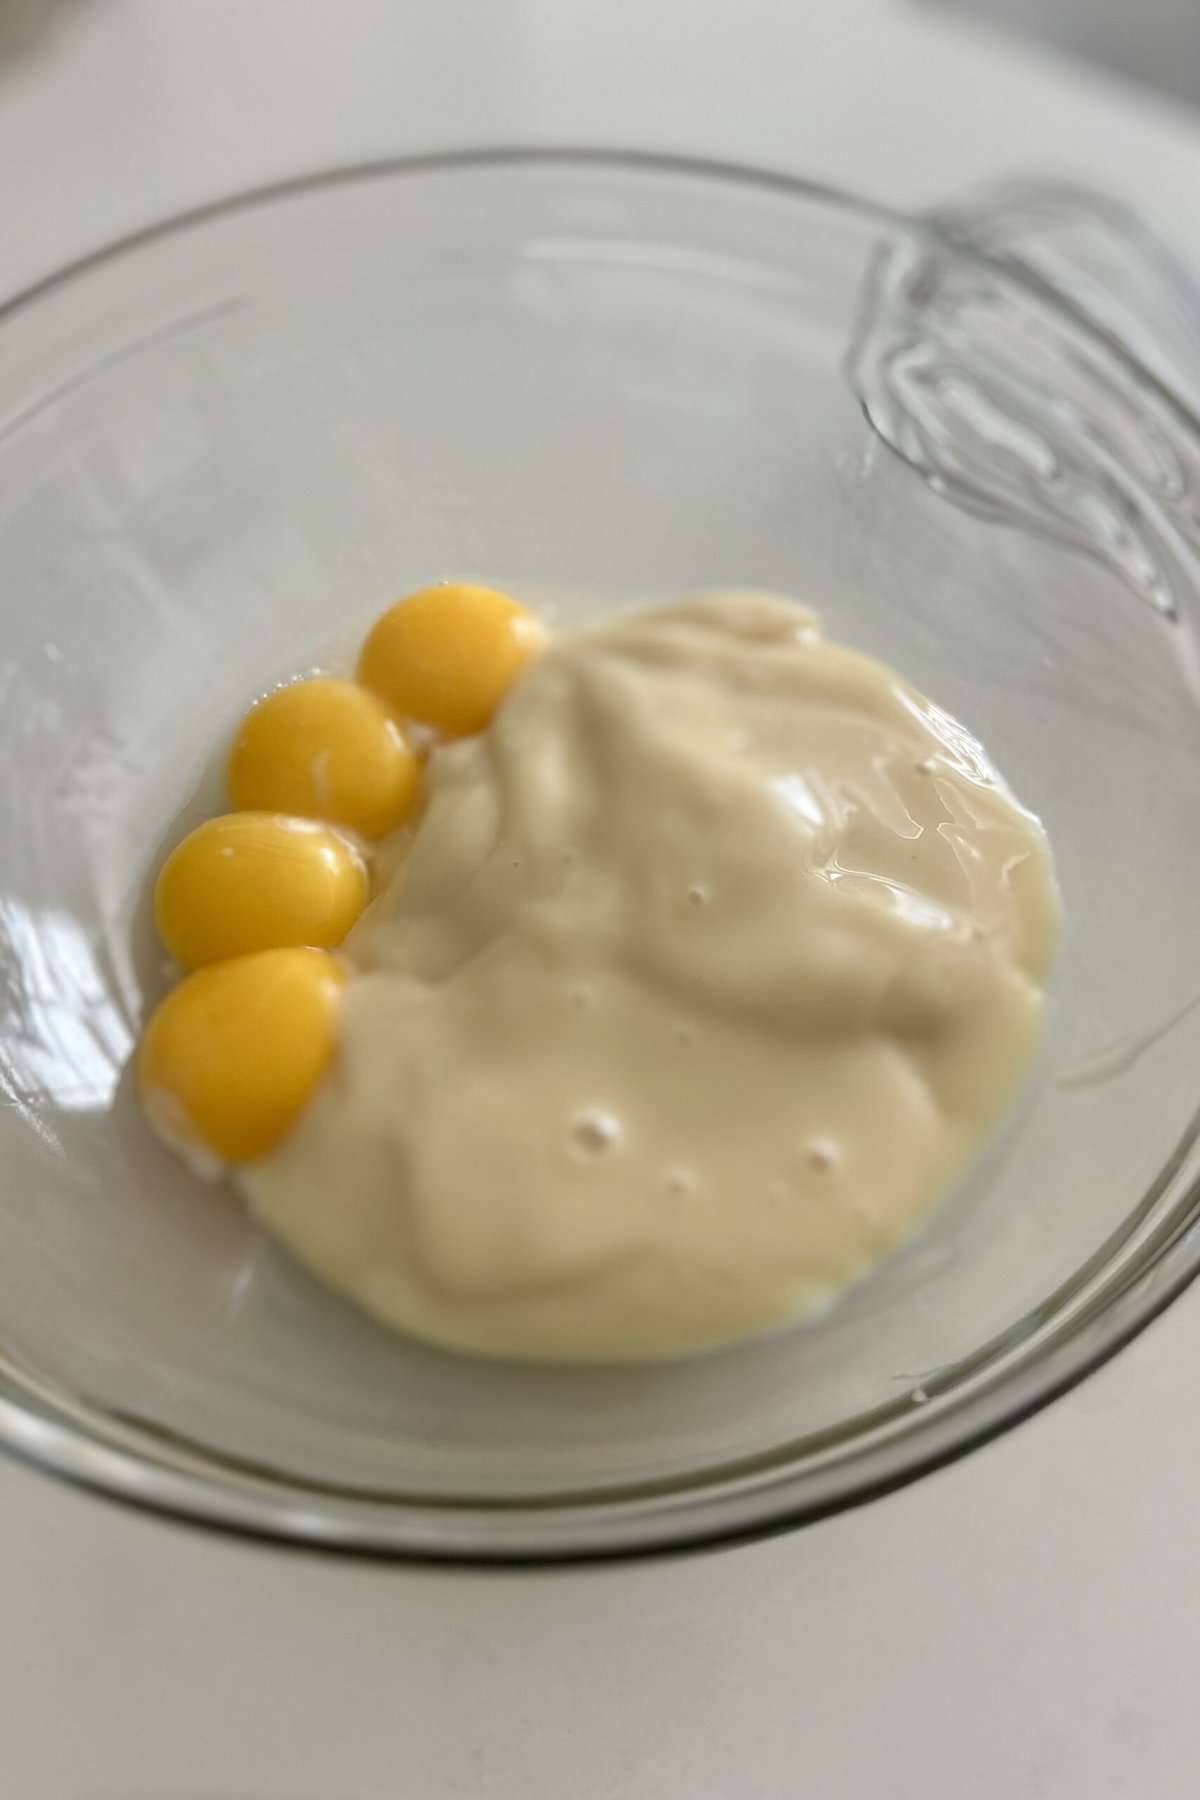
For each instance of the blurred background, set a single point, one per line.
(114, 112)
(1156, 42)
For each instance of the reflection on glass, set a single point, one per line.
(64, 1037)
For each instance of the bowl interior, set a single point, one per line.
(221, 453)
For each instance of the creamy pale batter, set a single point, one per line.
(712, 959)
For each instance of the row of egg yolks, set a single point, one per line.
(255, 901)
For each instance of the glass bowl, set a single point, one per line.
(593, 379)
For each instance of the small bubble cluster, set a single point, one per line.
(595, 1131)
(822, 1154)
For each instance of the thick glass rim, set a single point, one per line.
(1073, 1332)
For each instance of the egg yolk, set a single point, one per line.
(233, 1054)
(446, 656)
(325, 749)
(257, 881)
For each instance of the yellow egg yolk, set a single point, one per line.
(257, 881)
(325, 749)
(233, 1054)
(446, 656)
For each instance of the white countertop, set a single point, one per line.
(1026, 1623)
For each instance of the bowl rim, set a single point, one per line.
(1070, 1334)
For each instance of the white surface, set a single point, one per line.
(1022, 1626)
(1026, 1624)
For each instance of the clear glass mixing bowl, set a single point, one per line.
(591, 379)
